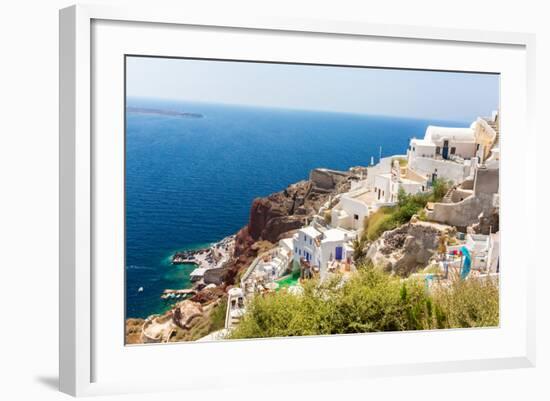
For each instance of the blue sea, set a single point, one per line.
(191, 181)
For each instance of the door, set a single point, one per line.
(445, 151)
(338, 253)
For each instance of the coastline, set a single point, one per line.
(333, 222)
(205, 260)
(168, 212)
(194, 309)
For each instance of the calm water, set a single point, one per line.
(190, 181)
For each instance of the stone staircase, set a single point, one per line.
(448, 196)
(235, 308)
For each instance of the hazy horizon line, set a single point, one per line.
(252, 106)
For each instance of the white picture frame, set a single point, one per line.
(79, 343)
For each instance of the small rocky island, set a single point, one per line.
(170, 113)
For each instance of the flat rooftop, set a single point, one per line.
(310, 231)
(337, 234)
(367, 197)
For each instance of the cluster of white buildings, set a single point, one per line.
(325, 245)
(453, 154)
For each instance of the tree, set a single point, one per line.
(439, 189)
(358, 249)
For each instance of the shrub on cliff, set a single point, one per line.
(370, 301)
(469, 303)
(440, 187)
(388, 218)
(380, 221)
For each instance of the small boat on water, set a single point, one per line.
(140, 289)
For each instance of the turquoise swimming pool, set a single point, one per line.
(289, 281)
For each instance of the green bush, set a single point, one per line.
(469, 303)
(440, 187)
(217, 316)
(370, 301)
(380, 221)
(388, 218)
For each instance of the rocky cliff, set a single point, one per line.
(407, 248)
(271, 218)
(278, 215)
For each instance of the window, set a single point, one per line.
(356, 216)
(438, 150)
(305, 238)
(310, 241)
(453, 150)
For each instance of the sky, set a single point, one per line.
(449, 96)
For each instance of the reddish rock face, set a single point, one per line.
(208, 295)
(274, 215)
(277, 215)
(260, 213)
(243, 241)
(277, 227)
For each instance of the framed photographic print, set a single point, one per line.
(290, 197)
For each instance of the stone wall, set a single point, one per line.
(460, 194)
(467, 211)
(486, 181)
(461, 214)
(325, 179)
(453, 171)
(468, 184)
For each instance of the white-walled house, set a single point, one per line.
(444, 153)
(384, 166)
(445, 143)
(484, 251)
(304, 242)
(352, 209)
(387, 186)
(453, 153)
(320, 248)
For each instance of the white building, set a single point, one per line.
(384, 166)
(352, 209)
(444, 153)
(387, 185)
(453, 153)
(445, 143)
(270, 265)
(305, 244)
(321, 248)
(480, 247)
(235, 307)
